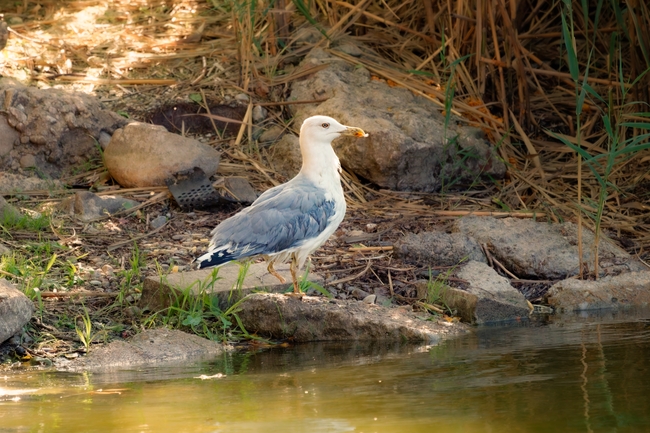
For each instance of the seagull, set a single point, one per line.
(292, 220)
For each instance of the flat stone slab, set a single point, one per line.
(618, 292)
(537, 250)
(489, 297)
(158, 293)
(313, 318)
(15, 310)
(150, 347)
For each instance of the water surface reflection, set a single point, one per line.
(578, 374)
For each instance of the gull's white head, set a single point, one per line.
(324, 129)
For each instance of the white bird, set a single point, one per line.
(293, 219)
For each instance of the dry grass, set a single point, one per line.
(510, 77)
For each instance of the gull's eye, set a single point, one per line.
(325, 125)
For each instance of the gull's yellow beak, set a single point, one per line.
(354, 132)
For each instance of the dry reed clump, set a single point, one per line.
(505, 62)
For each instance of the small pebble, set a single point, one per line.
(351, 49)
(259, 113)
(359, 294)
(242, 97)
(108, 270)
(96, 283)
(158, 222)
(370, 299)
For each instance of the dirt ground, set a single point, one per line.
(141, 60)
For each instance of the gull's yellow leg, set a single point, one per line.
(273, 272)
(294, 265)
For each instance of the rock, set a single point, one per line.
(88, 206)
(27, 161)
(259, 113)
(4, 250)
(239, 189)
(531, 249)
(12, 183)
(272, 134)
(15, 310)
(158, 293)
(104, 139)
(611, 292)
(9, 138)
(149, 347)
(141, 155)
(158, 222)
(285, 156)
(57, 127)
(8, 213)
(438, 248)
(489, 298)
(406, 148)
(350, 49)
(321, 319)
(307, 35)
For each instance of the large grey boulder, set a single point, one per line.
(15, 310)
(531, 249)
(409, 147)
(141, 155)
(612, 292)
(50, 129)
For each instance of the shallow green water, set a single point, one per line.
(574, 375)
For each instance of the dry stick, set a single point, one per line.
(73, 294)
(357, 9)
(553, 73)
(531, 149)
(129, 190)
(532, 214)
(352, 277)
(8, 274)
(239, 154)
(152, 200)
(389, 23)
(503, 268)
(502, 83)
(479, 46)
(137, 238)
(428, 306)
(273, 104)
(524, 100)
(242, 128)
(486, 251)
(431, 19)
(121, 82)
(559, 34)
(361, 249)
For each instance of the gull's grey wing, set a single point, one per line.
(282, 220)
